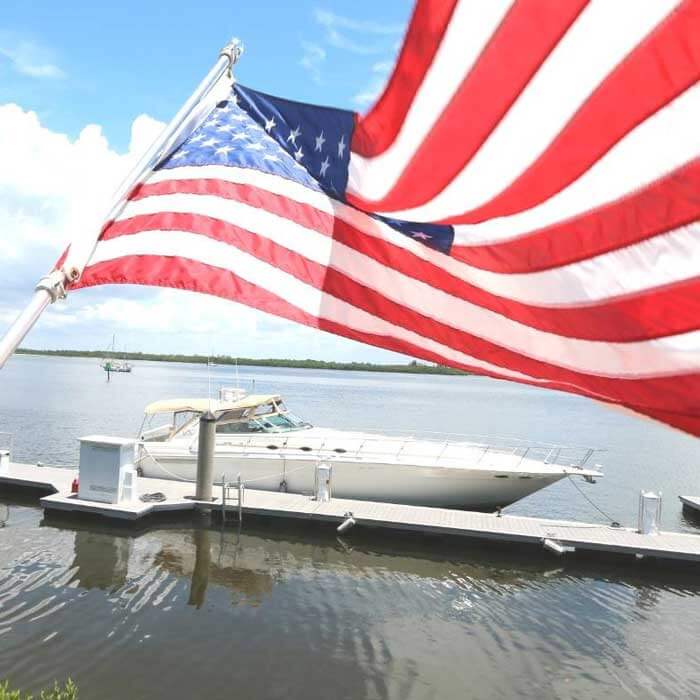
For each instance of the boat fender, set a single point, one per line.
(75, 484)
(347, 523)
(283, 486)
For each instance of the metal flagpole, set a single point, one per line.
(52, 286)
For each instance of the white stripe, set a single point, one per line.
(665, 142)
(629, 270)
(471, 26)
(304, 297)
(646, 358)
(599, 40)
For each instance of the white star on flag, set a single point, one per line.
(293, 135)
(298, 155)
(420, 235)
(210, 142)
(270, 124)
(324, 166)
(320, 140)
(341, 146)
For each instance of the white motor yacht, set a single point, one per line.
(272, 449)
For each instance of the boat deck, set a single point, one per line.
(558, 535)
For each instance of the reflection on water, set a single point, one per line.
(289, 610)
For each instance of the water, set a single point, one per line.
(287, 611)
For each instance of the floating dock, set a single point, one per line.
(559, 536)
(691, 502)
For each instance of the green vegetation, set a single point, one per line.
(412, 367)
(67, 692)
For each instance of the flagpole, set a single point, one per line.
(53, 285)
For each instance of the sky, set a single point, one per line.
(85, 87)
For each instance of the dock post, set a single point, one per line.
(241, 486)
(4, 461)
(649, 513)
(205, 456)
(322, 487)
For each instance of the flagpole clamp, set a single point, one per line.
(54, 284)
(232, 51)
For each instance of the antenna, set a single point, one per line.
(238, 383)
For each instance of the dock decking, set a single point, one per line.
(558, 535)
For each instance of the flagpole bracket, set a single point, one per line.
(232, 51)
(54, 284)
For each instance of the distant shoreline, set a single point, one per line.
(410, 368)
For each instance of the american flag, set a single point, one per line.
(523, 201)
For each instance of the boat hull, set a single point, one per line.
(480, 489)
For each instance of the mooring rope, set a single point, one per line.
(613, 523)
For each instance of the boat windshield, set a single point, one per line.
(267, 418)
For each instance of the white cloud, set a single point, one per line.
(51, 186)
(313, 58)
(352, 34)
(359, 36)
(335, 21)
(380, 73)
(28, 57)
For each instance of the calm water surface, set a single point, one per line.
(282, 611)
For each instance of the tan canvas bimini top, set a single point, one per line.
(203, 405)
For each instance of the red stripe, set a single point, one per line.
(674, 397)
(656, 313)
(376, 131)
(343, 287)
(659, 69)
(517, 49)
(667, 204)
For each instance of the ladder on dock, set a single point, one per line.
(232, 495)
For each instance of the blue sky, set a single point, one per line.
(84, 85)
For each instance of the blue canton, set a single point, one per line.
(304, 143)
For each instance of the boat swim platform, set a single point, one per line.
(559, 536)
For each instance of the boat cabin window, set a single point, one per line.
(264, 418)
(233, 422)
(183, 418)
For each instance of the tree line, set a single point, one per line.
(413, 367)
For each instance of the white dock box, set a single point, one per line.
(102, 461)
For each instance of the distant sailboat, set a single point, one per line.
(113, 364)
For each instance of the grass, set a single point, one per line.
(69, 691)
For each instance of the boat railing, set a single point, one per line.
(404, 449)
